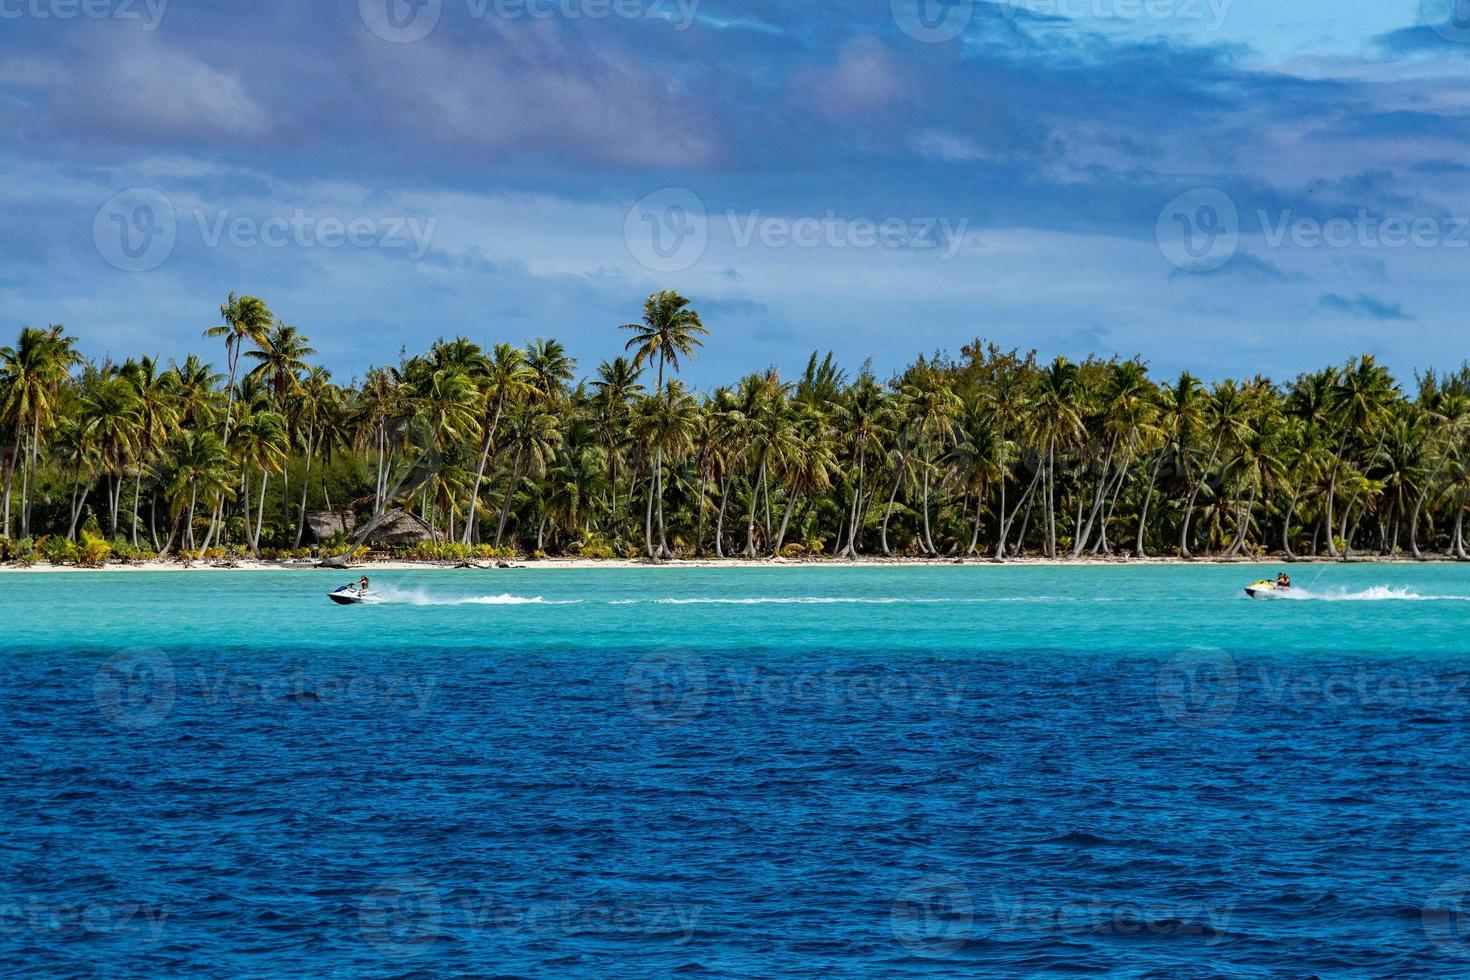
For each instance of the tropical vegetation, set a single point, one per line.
(509, 450)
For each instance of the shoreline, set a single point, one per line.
(578, 564)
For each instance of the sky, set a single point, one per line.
(1228, 186)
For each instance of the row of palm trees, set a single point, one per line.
(992, 453)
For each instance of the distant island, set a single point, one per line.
(462, 453)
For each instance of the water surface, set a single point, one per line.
(962, 771)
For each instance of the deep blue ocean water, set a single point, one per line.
(973, 771)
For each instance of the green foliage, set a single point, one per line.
(93, 551)
(57, 550)
(123, 551)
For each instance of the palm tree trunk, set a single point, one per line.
(1007, 521)
(785, 520)
(699, 524)
(1243, 523)
(1085, 534)
(928, 539)
(889, 512)
(1153, 478)
(975, 536)
(720, 518)
(9, 479)
(755, 486)
(265, 479)
(648, 512)
(1286, 526)
(480, 470)
(137, 492)
(305, 486)
(193, 499)
(1051, 503)
(515, 477)
(1193, 495)
(27, 467)
(857, 498)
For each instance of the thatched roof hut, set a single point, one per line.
(323, 524)
(395, 527)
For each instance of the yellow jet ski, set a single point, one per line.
(1266, 589)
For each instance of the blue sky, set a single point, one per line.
(1231, 186)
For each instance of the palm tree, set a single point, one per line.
(31, 374)
(616, 384)
(246, 319)
(1056, 427)
(197, 465)
(504, 379)
(261, 446)
(112, 424)
(670, 329)
(157, 417)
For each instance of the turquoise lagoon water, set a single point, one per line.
(950, 771)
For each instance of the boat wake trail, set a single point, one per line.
(1376, 593)
(813, 601)
(420, 598)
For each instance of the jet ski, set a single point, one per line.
(349, 595)
(1266, 589)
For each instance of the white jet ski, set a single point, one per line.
(1265, 589)
(350, 595)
